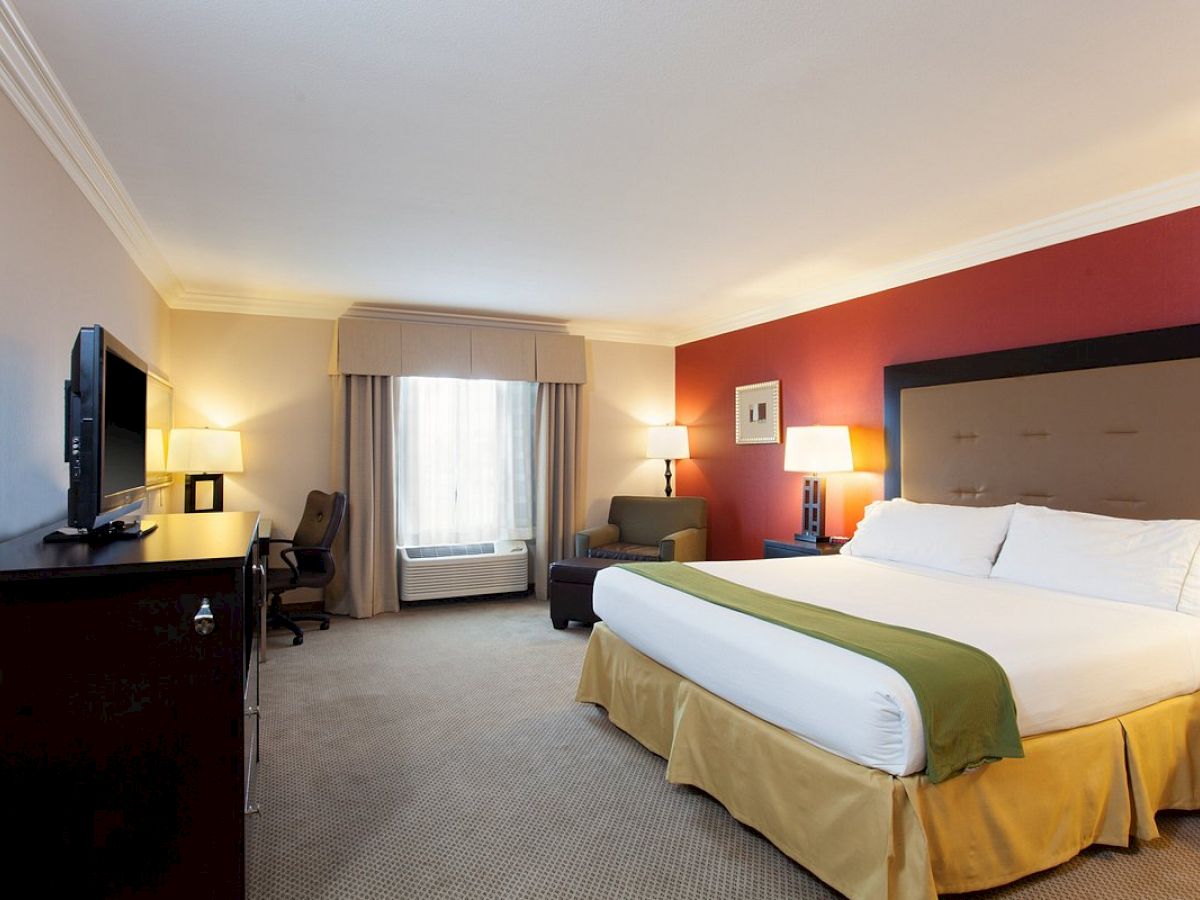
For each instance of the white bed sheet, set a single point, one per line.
(1070, 660)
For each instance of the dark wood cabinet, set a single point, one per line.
(780, 549)
(128, 736)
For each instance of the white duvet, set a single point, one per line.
(1071, 660)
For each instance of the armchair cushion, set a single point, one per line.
(595, 537)
(649, 528)
(631, 552)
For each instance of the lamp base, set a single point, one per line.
(668, 492)
(813, 511)
(218, 493)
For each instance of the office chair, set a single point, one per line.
(309, 560)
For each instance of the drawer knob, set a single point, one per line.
(205, 623)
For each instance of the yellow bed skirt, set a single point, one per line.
(869, 834)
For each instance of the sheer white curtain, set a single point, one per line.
(464, 460)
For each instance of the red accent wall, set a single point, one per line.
(830, 361)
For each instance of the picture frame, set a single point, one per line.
(160, 418)
(756, 413)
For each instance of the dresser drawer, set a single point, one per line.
(249, 806)
(250, 730)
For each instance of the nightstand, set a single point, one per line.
(783, 549)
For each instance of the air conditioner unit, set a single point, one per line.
(463, 570)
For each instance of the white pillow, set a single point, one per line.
(1189, 600)
(962, 539)
(1128, 560)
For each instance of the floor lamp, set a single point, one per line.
(667, 442)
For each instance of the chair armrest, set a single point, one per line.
(267, 552)
(595, 537)
(292, 555)
(687, 545)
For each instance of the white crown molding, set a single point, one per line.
(250, 305)
(433, 317)
(1136, 206)
(1157, 200)
(624, 334)
(26, 77)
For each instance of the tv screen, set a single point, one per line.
(124, 426)
(105, 430)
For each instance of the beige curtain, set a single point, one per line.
(364, 421)
(558, 463)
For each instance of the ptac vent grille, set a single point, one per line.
(449, 550)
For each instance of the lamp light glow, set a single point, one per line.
(198, 450)
(818, 448)
(667, 442)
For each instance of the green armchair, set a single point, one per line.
(649, 529)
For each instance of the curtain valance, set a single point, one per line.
(365, 346)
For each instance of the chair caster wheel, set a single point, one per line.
(324, 626)
(297, 641)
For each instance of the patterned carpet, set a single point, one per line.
(438, 753)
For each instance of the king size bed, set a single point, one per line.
(1093, 616)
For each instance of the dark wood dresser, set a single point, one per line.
(128, 718)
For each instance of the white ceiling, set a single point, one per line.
(665, 168)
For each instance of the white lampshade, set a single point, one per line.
(210, 450)
(818, 448)
(156, 450)
(667, 442)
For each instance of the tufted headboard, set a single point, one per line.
(1108, 425)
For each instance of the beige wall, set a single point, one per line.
(268, 378)
(60, 268)
(630, 387)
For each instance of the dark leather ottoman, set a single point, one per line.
(571, 589)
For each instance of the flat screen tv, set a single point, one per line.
(105, 431)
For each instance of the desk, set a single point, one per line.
(264, 554)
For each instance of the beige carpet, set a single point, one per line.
(438, 753)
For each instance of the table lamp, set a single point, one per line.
(667, 442)
(816, 449)
(205, 455)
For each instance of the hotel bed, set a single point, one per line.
(822, 750)
(1071, 660)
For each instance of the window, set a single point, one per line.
(464, 460)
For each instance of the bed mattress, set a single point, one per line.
(1070, 660)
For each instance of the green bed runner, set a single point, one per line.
(966, 705)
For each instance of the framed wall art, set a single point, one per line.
(756, 408)
(160, 402)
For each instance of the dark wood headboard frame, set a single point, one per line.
(1182, 342)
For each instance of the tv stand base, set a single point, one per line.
(114, 531)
